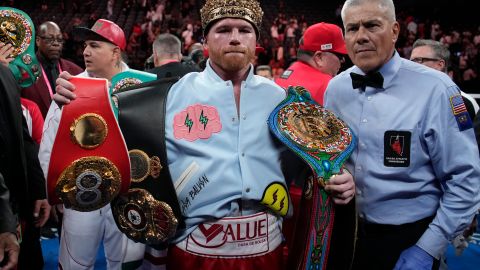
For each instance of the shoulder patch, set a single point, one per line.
(196, 122)
(460, 112)
(286, 74)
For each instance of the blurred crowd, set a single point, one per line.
(279, 37)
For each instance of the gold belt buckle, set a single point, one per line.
(143, 218)
(142, 165)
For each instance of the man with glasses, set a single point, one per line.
(416, 167)
(436, 55)
(320, 56)
(50, 44)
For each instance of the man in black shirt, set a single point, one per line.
(167, 56)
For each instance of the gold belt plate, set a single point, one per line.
(143, 218)
(312, 127)
(88, 183)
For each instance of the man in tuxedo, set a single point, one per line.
(413, 192)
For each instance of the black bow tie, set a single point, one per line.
(361, 81)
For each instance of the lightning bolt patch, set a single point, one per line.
(196, 122)
(271, 197)
(203, 119)
(188, 123)
(282, 203)
(274, 195)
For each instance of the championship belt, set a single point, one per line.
(127, 79)
(17, 28)
(324, 142)
(149, 213)
(89, 163)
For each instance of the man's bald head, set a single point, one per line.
(43, 28)
(49, 41)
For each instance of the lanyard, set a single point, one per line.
(47, 82)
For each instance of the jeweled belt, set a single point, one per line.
(324, 142)
(17, 29)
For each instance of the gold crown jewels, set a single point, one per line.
(248, 10)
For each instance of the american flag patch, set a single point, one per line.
(460, 113)
(457, 104)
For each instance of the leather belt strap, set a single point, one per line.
(152, 200)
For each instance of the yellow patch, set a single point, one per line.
(276, 198)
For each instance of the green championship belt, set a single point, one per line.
(16, 28)
(126, 79)
(324, 142)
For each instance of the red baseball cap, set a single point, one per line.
(103, 30)
(324, 37)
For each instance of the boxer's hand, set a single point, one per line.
(341, 187)
(64, 89)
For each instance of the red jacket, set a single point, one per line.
(300, 73)
(34, 118)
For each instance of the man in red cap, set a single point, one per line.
(82, 232)
(320, 56)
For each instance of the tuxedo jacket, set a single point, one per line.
(39, 92)
(19, 154)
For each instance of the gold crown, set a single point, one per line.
(248, 10)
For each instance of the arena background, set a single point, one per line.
(454, 22)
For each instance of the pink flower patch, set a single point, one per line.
(196, 122)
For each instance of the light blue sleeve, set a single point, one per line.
(455, 160)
